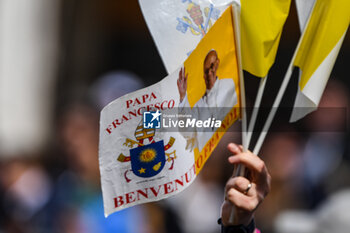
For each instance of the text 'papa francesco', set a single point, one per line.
(136, 106)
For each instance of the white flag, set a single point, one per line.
(178, 25)
(322, 38)
(304, 8)
(153, 142)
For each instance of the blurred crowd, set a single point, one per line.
(59, 189)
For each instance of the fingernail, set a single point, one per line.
(232, 159)
(233, 147)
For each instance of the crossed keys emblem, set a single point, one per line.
(130, 143)
(198, 23)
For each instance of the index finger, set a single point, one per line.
(253, 163)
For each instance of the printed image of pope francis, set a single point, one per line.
(220, 96)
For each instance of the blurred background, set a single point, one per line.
(61, 61)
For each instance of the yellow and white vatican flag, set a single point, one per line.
(262, 23)
(177, 26)
(154, 142)
(261, 26)
(304, 9)
(321, 41)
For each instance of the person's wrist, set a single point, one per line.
(244, 220)
(182, 97)
(239, 228)
(240, 217)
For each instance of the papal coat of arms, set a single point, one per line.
(147, 160)
(198, 21)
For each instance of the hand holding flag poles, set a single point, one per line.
(260, 38)
(250, 38)
(240, 170)
(255, 41)
(316, 30)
